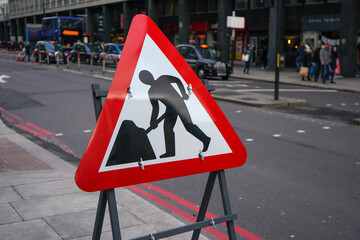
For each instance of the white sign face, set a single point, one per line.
(235, 22)
(139, 109)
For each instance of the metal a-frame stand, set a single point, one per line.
(108, 196)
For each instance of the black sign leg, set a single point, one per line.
(115, 226)
(100, 216)
(205, 202)
(226, 203)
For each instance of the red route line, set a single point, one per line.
(27, 129)
(195, 208)
(12, 115)
(176, 210)
(45, 132)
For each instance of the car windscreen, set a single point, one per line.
(208, 52)
(49, 47)
(95, 48)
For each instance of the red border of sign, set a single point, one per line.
(88, 177)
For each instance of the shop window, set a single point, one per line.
(241, 4)
(313, 1)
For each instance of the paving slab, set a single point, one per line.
(8, 194)
(51, 206)
(29, 230)
(8, 214)
(47, 189)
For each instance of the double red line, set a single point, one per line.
(20, 123)
(185, 215)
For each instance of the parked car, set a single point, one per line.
(85, 51)
(204, 60)
(112, 52)
(45, 48)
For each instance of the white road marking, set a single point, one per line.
(87, 131)
(300, 131)
(343, 104)
(326, 127)
(328, 105)
(72, 71)
(276, 135)
(238, 111)
(2, 78)
(356, 104)
(59, 134)
(103, 77)
(249, 140)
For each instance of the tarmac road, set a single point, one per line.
(299, 182)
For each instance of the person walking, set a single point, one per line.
(325, 58)
(299, 55)
(306, 61)
(334, 56)
(317, 62)
(249, 52)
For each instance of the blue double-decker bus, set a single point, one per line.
(62, 30)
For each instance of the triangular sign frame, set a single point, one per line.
(90, 175)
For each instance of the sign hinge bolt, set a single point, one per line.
(201, 156)
(212, 222)
(129, 92)
(141, 164)
(189, 88)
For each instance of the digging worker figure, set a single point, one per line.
(162, 91)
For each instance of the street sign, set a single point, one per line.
(235, 22)
(158, 120)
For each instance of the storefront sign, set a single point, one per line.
(321, 23)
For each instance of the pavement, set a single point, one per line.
(40, 200)
(287, 76)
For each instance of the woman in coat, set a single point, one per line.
(248, 62)
(334, 56)
(307, 61)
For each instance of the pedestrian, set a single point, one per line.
(249, 52)
(325, 58)
(162, 91)
(299, 52)
(306, 61)
(317, 62)
(334, 56)
(27, 52)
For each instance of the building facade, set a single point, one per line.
(196, 21)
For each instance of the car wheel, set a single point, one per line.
(201, 73)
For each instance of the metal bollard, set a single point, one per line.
(47, 58)
(78, 61)
(67, 60)
(103, 72)
(57, 59)
(91, 63)
(32, 56)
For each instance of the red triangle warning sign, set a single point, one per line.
(158, 120)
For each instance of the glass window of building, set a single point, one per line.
(201, 6)
(256, 3)
(212, 5)
(241, 4)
